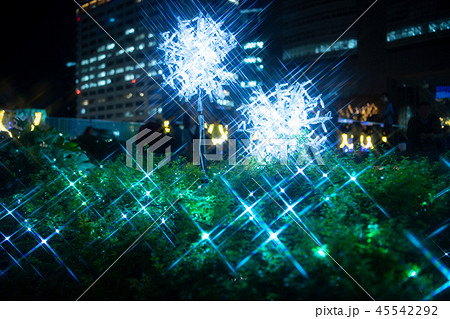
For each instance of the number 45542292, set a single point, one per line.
(407, 310)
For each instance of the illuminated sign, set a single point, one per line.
(2, 127)
(346, 143)
(218, 133)
(365, 142)
(442, 92)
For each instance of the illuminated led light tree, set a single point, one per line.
(194, 55)
(284, 115)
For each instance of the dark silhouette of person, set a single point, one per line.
(88, 141)
(388, 117)
(424, 131)
(89, 132)
(389, 112)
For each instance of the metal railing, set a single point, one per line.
(74, 127)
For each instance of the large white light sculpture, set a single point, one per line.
(194, 54)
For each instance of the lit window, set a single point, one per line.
(252, 59)
(128, 114)
(85, 78)
(101, 83)
(111, 72)
(129, 68)
(140, 37)
(151, 44)
(141, 46)
(85, 86)
(129, 49)
(129, 77)
(102, 57)
(93, 59)
(84, 62)
(128, 95)
(439, 25)
(110, 46)
(120, 52)
(129, 31)
(152, 63)
(352, 44)
(101, 49)
(253, 45)
(317, 49)
(249, 84)
(150, 35)
(408, 32)
(83, 111)
(102, 66)
(140, 65)
(119, 70)
(92, 68)
(225, 102)
(91, 76)
(102, 74)
(92, 85)
(85, 102)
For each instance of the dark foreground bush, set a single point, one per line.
(340, 231)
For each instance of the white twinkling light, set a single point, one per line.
(282, 116)
(205, 236)
(194, 55)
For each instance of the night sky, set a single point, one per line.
(38, 39)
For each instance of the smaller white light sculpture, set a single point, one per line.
(283, 116)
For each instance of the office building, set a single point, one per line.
(110, 84)
(397, 46)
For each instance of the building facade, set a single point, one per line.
(398, 47)
(111, 85)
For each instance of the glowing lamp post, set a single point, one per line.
(194, 54)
